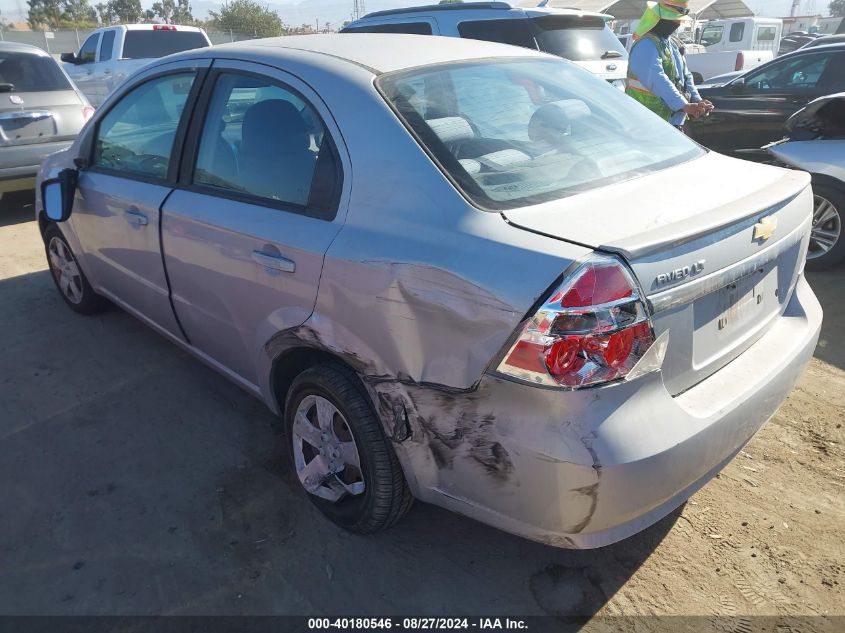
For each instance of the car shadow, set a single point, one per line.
(144, 482)
(17, 207)
(828, 286)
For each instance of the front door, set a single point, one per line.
(116, 213)
(245, 233)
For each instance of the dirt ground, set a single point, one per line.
(133, 480)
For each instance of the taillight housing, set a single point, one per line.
(593, 329)
(87, 113)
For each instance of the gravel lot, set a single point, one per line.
(134, 480)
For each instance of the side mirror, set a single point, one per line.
(738, 86)
(57, 195)
(69, 58)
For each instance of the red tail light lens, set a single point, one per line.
(740, 61)
(87, 113)
(593, 329)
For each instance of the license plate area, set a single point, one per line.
(726, 318)
(26, 126)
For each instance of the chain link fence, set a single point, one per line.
(69, 40)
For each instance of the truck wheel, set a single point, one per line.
(827, 244)
(68, 276)
(340, 453)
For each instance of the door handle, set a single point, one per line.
(276, 262)
(136, 218)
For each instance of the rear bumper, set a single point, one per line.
(19, 164)
(584, 469)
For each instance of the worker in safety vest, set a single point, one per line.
(658, 76)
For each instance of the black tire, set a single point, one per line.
(837, 253)
(89, 302)
(386, 497)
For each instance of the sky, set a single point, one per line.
(15, 10)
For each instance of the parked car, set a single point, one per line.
(720, 80)
(752, 109)
(110, 55)
(815, 142)
(794, 41)
(41, 112)
(735, 44)
(825, 39)
(458, 270)
(573, 34)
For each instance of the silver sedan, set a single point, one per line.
(41, 112)
(461, 272)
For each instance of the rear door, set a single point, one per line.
(258, 204)
(133, 167)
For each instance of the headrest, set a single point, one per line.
(451, 128)
(552, 119)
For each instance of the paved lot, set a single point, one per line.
(133, 480)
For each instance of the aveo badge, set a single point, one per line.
(679, 273)
(16, 99)
(764, 229)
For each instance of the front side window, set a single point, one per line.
(136, 136)
(107, 46)
(515, 133)
(262, 139)
(790, 74)
(712, 35)
(514, 32)
(88, 52)
(27, 72)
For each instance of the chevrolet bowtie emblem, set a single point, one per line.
(764, 229)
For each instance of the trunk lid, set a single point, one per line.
(39, 117)
(718, 258)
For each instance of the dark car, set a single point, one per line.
(751, 110)
(825, 40)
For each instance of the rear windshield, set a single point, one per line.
(579, 38)
(143, 44)
(511, 133)
(25, 72)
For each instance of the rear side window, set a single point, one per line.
(26, 72)
(137, 134)
(578, 38)
(737, 31)
(410, 28)
(262, 139)
(514, 32)
(107, 47)
(158, 43)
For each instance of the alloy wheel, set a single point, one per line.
(827, 227)
(65, 270)
(325, 455)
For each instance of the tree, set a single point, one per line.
(837, 8)
(174, 11)
(44, 13)
(122, 11)
(78, 12)
(247, 16)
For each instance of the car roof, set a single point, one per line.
(459, 7)
(378, 52)
(22, 48)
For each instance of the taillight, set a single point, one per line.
(740, 61)
(593, 329)
(87, 113)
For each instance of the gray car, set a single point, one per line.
(462, 272)
(41, 112)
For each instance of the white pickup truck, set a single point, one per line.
(111, 54)
(735, 44)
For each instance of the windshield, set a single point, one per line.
(512, 133)
(579, 38)
(158, 43)
(26, 72)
